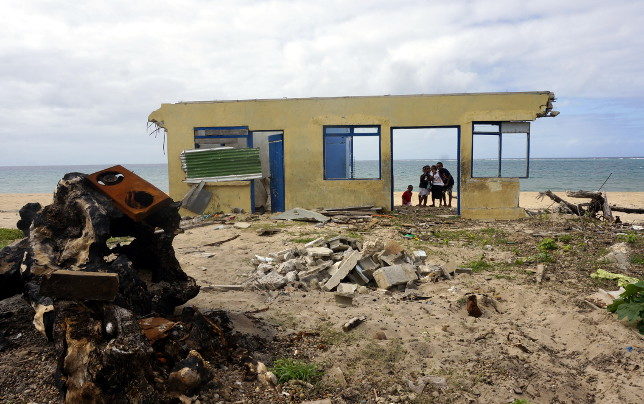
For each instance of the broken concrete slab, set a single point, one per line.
(318, 242)
(343, 299)
(319, 252)
(393, 275)
(347, 288)
(419, 256)
(302, 215)
(272, 281)
(241, 225)
(357, 276)
(80, 285)
(347, 265)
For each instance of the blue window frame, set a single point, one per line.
(500, 149)
(352, 152)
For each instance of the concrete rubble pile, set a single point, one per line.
(344, 265)
(108, 308)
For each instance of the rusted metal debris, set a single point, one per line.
(109, 310)
(133, 195)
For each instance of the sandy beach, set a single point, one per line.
(529, 200)
(11, 203)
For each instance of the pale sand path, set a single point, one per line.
(11, 203)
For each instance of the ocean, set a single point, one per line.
(626, 174)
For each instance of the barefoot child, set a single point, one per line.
(437, 187)
(406, 196)
(423, 187)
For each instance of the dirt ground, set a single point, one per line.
(544, 344)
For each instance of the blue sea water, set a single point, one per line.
(555, 174)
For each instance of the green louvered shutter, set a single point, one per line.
(221, 164)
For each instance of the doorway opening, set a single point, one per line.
(268, 193)
(418, 146)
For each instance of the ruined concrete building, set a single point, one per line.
(286, 153)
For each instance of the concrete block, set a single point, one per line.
(319, 252)
(347, 288)
(80, 285)
(390, 276)
(357, 276)
(337, 245)
(419, 256)
(272, 281)
(347, 265)
(291, 276)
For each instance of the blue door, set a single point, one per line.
(276, 161)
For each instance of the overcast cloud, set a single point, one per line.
(78, 79)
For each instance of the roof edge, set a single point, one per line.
(369, 96)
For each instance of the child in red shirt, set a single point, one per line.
(406, 196)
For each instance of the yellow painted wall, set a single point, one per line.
(302, 121)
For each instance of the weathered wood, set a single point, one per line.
(608, 215)
(626, 210)
(584, 194)
(574, 208)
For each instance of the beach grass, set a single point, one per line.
(8, 236)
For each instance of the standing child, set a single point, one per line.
(406, 196)
(437, 187)
(423, 187)
(448, 180)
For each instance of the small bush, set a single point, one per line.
(547, 244)
(544, 257)
(630, 304)
(565, 238)
(637, 259)
(478, 266)
(292, 369)
(630, 238)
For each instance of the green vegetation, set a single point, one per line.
(630, 238)
(637, 259)
(630, 304)
(292, 369)
(547, 244)
(8, 236)
(303, 240)
(520, 401)
(478, 265)
(565, 238)
(116, 240)
(544, 257)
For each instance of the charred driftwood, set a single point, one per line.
(597, 206)
(89, 298)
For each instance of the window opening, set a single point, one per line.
(351, 152)
(501, 149)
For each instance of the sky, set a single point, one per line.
(78, 79)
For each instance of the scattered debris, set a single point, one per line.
(472, 307)
(353, 323)
(622, 280)
(220, 242)
(109, 308)
(540, 273)
(302, 215)
(268, 232)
